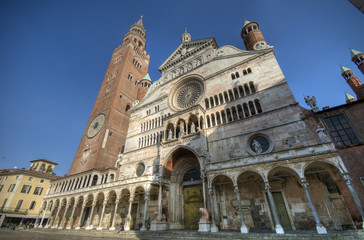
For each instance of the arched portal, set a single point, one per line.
(186, 193)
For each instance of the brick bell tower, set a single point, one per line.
(107, 127)
(358, 58)
(252, 36)
(353, 82)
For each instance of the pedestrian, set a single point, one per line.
(121, 228)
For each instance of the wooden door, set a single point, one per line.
(134, 210)
(281, 211)
(193, 199)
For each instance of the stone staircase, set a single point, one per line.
(189, 234)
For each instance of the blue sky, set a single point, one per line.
(54, 55)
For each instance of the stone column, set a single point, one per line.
(102, 214)
(128, 218)
(64, 216)
(89, 222)
(40, 211)
(115, 212)
(146, 199)
(55, 219)
(80, 219)
(348, 180)
(69, 224)
(49, 218)
(41, 221)
(320, 228)
(243, 228)
(278, 226)
(213, 224)
(160, 195)
(203, 178)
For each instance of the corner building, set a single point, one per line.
(220, 133)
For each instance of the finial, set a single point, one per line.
(141, 17)
(185, 30)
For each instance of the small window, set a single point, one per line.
(18, 206)
(259, 144)
(127, 108)
(11, 188)
(25, 189)
(38, 191)
(42, 181)
(32, 205)
(30, 179)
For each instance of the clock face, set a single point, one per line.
(96, 125)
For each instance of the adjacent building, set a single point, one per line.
(22, 192)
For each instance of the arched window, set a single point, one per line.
(216, 100)
(257, 105)
(213, 120)
(221, 98)
(247, 90)
(212, 102)
(207, 103)
(246, 110)
(232, 76)
(244, 72)
(231, 95)
(236, 92)
(223, 116)
(240, 111)
(201, 122)
(208, 121)
(252, 88)
(234, 114)
(127, 108)
(94, 180)
(249, 70)
(218, 118)
(237, 74)
(251, 107)
(241, 91)
(228, 112)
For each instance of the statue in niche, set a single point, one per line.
(193, 127)
(322, 135)
(257, 147)
(181, 128)
(170, 134)
(149, 170)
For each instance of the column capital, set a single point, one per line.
(267, 185)
(236, 189)
(131, 199)
(211, 191)
(146, 197)
(304, 183)
(347, 178)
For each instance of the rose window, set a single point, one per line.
(188, 95)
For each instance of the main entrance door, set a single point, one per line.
(193, 199)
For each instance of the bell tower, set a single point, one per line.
(358, 58)
(106, 130)
(353, 82)
(252, 36)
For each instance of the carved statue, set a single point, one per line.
(149, 170)
(182, 127)
(321, 132)
(257, 147)
(193, 127)
(311, 102)
(205, 218)
(169, 134)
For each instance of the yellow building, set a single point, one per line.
(22, 192)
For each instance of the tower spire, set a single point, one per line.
(252, 36)
(353, 82)
(358, 58)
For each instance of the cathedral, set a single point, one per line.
(217, 143)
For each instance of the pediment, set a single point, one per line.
(187, 49)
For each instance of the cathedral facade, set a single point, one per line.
(217, 143)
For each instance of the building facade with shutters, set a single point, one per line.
(22, 192)
(217, 143)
